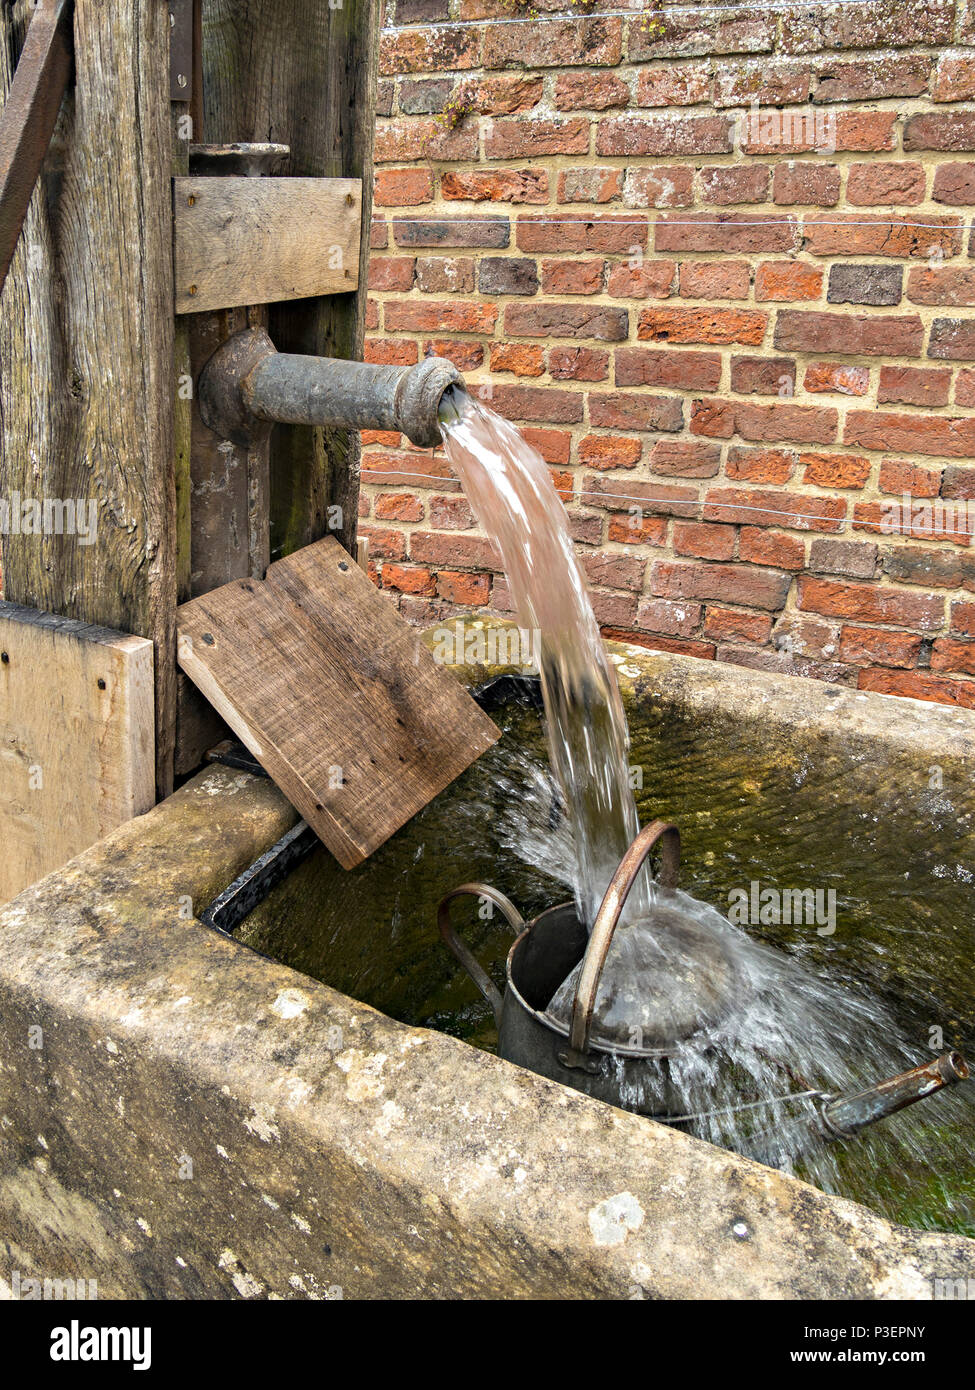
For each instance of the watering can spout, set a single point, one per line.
(836, 1118)
(247, 385)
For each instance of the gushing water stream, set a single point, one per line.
(791, 1032)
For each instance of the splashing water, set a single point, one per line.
(515, 501)
(787, 1031)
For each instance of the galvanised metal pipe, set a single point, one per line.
(248, 384)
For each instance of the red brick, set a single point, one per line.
(914, 386)
(870, 604)
(553, 445)
(470, 589)
(764, 424)
(954, 80)
(403, 187)
(629, 529)
(450, 513)
(578, 364)
(520, 358)
(398, 506)
(689, 371)
(796, 132)
(805, 184)
(870, 646)
(963, 619)
(590, 185)
(684, 84)
(835, 470)
(595, 41)
(837, 377)
(787, 280)
(684, 458)
(437, 49)
(604, 451)
(660, 499)
(725, 184)
(897, 477)
(755, 507)
(726, 231)
(626, 411)
(574, 232)
(390, 352)
(589, 91)
(441, 548)
(444, 275)
(536, 321)
(715, 279)
(672, 619)
(965, 387)
(806, 330)
(652, 280)
(614, 571)
(704, 651)
(466, 357)
(409, 138)
(954, 184)
(372, 315)
(952, 339)
(407, 468)
(917, 685)
(761, 547)
(671, 186)
(408, 579)
(456, 230)
(540, 403)
(923, 521)
(530, 137)
(947, 130)
(855, 559)
(760, 465)
(949, 655)
(865, 235)
(685, 135)
(414, 316)
(495, 185)
(763, 376)
(703, 540)
(871, 78)
(378, 234)
(573, 277)
(505, 94)
(746, 585)
(703, 325)
(953, 437)
(947, 285)
(760, 84)
(730, 625)
(885, 181)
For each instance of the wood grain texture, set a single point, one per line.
(304, 74)
(77, 750)
(86, 342)
(338, 699)
(241, 241)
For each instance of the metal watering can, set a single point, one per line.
(698, 987)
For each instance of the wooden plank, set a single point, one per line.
(77, 756)
(245, 241)
(337, 698)
(303, 73)
(86, 343)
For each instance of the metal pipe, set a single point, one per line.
(247, 385)
(837, 1118)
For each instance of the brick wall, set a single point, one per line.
(718, 268)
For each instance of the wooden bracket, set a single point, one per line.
(334, 694)
(241, 241)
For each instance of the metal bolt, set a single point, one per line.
(192, 289)
(740, 1230)
(209, 639)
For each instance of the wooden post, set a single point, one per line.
(303, 74)
(87, 347)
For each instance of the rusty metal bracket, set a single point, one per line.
(30, 114)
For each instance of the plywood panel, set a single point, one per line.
(77, 747)
(338, 699)
(256, 241)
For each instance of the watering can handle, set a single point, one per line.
(607, 919)
(454, 944)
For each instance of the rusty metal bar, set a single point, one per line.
(30, 114)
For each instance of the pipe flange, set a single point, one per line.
(223, 407)
(418, 397)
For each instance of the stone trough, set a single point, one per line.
(183, 1117)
